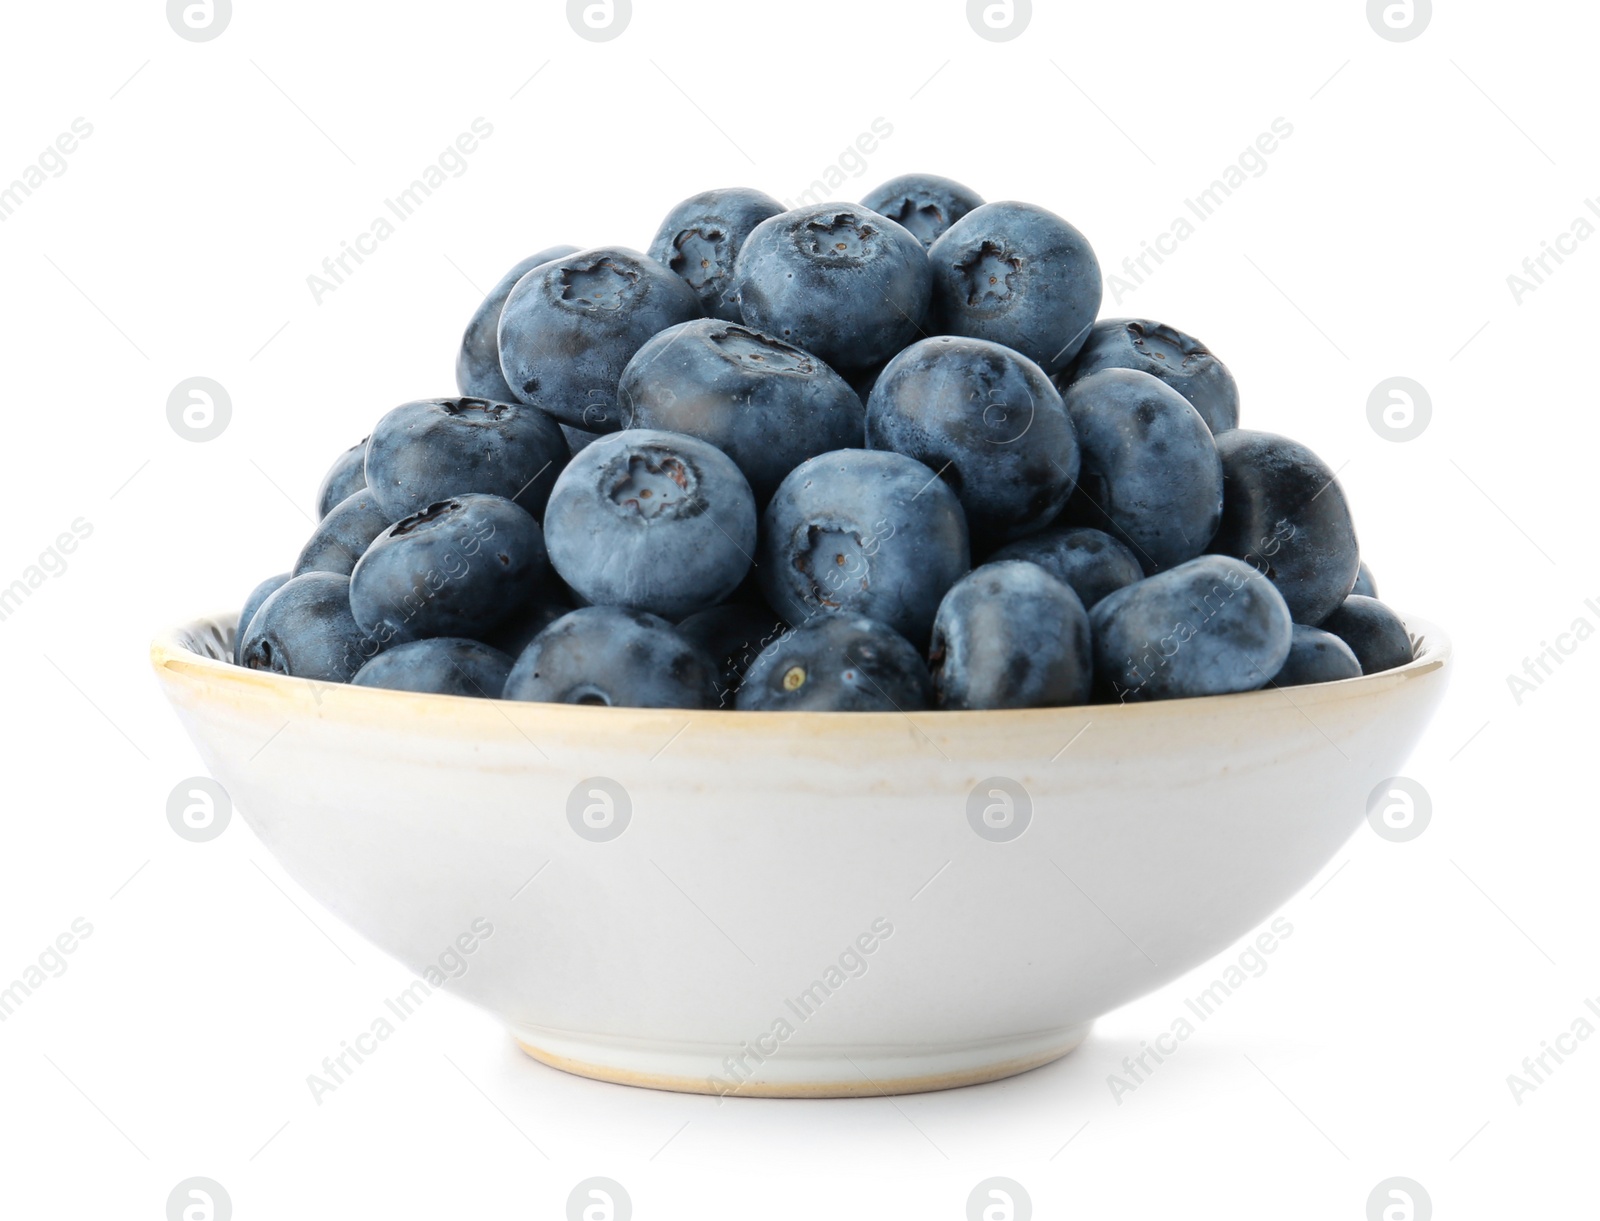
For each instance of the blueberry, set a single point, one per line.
(843, 663)
(1208, 627)
(1284, 512)
(570, 327)
(1150, 474)
(1366, 585)
(865, 532)
(1375, 634)
(442, 665)
(346, 476)
(305, 630)
(1018, 275)
(700, 241)
(252, 604)
(613, 657)
(432, 449)
(460, 567)
(924, 204)
(1180, 360)
(1010, 635)
(1089, 560)
(343, 536)
(988, 421)
(733, 636)
(478, 363)
(1316, 656)
(767, 405)
(839, 281)
(652, 521)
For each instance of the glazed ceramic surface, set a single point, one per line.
(797, 903)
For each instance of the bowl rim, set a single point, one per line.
(174, 659)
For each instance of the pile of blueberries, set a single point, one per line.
(842, 457)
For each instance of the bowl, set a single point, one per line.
(796, 904)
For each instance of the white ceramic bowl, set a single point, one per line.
(797, 904)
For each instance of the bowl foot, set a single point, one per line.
(862, 1072)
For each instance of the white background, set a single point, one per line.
(1377, 243)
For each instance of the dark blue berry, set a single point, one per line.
(1020, 276)
(460, 567)
(1208, 627)
(571, 326)
(1285, 513)
(1180, 360)
(700, 240)
(863, 532)
(1316, 656)
(1366, 584)
(252, 604)
(346, 476)
(766, 404)
(433, 449)
(837, 280)
(988, 421)
(343, 536)
(1150, 475)
(617, 658)
(305, 629)
(653, 521)
(1010, 635)
(478, 363)
(924, 204)
(1375, 634)
(843, 663)
(1089, 560)
(442, 665)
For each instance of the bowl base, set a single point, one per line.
(866, 1074)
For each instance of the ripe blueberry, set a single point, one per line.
(1010, 635)
(571, 326)
(1018, 275)
(442, 665)
(863, 532)
(1285, 513)
(925, 204)
(1150, 474)
(843, 663)
(460, 567)
(767, 405)
(1208, 627)
(837, 280)
(478, 363)
(616, 658)
(988, 421)
(700, 240)
(430, 450)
